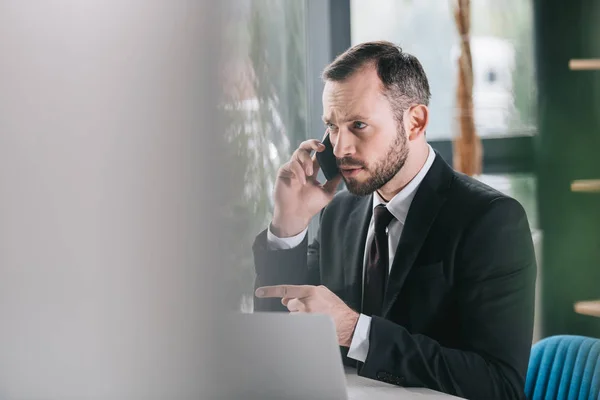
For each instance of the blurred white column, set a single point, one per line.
(110, 152)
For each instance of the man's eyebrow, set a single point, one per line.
(355, 117)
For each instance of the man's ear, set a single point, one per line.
(416, 121)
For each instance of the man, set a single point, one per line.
(428, 274)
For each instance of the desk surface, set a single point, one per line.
(360, 388)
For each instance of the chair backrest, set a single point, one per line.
(564, 367)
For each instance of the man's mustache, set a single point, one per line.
(350, 162)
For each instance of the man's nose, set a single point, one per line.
(344, 145)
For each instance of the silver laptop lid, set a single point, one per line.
(281, 356)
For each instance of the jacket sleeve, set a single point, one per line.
(296, 266)
(495, 281)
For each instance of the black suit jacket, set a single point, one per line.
(458, 309)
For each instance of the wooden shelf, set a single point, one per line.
(584, 64)
(588, 308)
(586, 186)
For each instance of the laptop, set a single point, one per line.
(281, 356)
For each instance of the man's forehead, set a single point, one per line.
(360, 83)
(348, 98)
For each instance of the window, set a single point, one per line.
(265, 85)
(504, 91)
(502, 52)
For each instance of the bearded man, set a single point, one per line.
(428, 275)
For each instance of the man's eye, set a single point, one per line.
(359, 125)
(331, 127)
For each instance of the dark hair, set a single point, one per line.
(403, 78)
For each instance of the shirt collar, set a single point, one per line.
(399, 204)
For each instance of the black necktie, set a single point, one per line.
(377, 264)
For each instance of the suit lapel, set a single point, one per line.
(355, 237)
(422, 213)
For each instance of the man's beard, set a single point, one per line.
(383, 171)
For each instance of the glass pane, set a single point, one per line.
(501, 47)
(266, 98)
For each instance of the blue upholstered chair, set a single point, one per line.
(564, 368)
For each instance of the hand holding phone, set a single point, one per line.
(298, 194)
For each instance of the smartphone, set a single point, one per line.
(327, 160)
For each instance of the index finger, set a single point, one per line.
(311, 144)
(281, 291)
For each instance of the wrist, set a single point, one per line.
(352, 319)
(286, 229)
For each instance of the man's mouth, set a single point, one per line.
(350, 172)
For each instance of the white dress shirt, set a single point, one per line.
(398, 207)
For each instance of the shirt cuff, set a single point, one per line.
(359, 348)
(277, 243)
